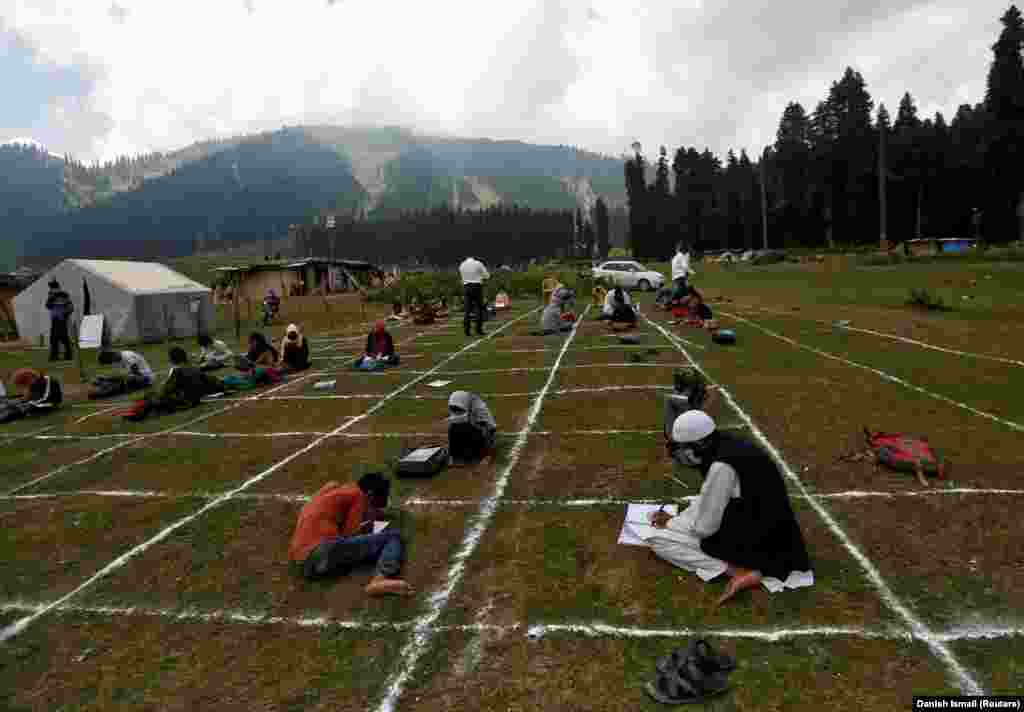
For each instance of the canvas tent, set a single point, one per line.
(140, 301)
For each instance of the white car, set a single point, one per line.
(631, 275)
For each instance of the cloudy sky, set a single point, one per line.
(101, 78)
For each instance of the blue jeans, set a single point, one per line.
(340, 554)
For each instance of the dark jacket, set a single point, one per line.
(296, 357)
(59, 305)
(186, 387)
(372, 349)
(759, 530)
(46, 390)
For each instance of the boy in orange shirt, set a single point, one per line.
(335, 533)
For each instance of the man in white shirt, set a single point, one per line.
(741, 524)
(473, 276)
(137, 371)
(681, 272)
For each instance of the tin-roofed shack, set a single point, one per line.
(295, 278)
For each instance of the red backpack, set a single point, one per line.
(906, 453)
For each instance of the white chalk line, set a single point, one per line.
(444, 396)
(423, 631)
(486, 371)
(896, 337)
(15, 628)
(529, 502)
(594, 629)
(145, 436)
(882, 374)
(966, 681)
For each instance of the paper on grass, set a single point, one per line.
(438, 384)
(378, 527)
(637, 526)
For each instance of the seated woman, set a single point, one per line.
(185, 388)
(551, 321)
(41, 394)
(619, 308)
(397, 312)
(213, 353)
(380, 350)
(471, 428)
(294, 350)
(695, 311)
(260, 353)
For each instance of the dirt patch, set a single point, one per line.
(519, 674)
(377, 383)
(565, 566)
(94, 664)
(236, 557)
(420, 416)
(25, 460)
(570, 377)
(654, 355)
(494, 359)
(620, 410)
(178, 464)
(954, 558)
(51, 545)
(100, 422)
(483, 384)
(321, 415)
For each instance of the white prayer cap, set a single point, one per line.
(691, 426)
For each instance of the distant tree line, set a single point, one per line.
(822, 174)
(444, 237)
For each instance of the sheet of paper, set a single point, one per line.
(378, 527)
(438, 384)
(637, 526)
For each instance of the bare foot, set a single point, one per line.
(741, 580)
(383, 586)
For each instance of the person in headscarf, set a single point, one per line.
(40, 394)
(294, 349)
(741, 524)
(380, 349)
(472, 429)
(551, 321)
(271, 306)
(260, 353)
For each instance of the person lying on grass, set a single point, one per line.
(40, 394)
(260, 353)
(380, 349)
(472, 430)
(185, 388)
(741, 524)
(618, 307)
(294, 350)
(134, 374)
(213, 353)
(334, 534)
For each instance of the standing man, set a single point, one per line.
(59, 304)
(680, 272)
(473, 275)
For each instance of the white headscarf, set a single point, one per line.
(473, 411)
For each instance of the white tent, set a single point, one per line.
(140, 301)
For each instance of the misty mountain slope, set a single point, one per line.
(236, 195)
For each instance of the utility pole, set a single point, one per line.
(764, 198)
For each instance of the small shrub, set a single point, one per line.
(922, 298)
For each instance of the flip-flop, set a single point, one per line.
(708, 660)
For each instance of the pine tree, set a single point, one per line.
(603, 236)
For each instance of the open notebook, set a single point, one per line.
(637, 527)
(378, 527)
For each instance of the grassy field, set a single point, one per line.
(148, 562)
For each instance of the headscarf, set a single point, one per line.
(472, 410)
(285, 341)
(25, 377)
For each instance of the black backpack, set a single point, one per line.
(690, 383)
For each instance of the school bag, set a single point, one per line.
(905, 453)
(423, 462)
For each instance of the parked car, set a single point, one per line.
(631, 275)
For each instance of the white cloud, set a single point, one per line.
(596, 73)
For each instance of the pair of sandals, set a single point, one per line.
(691, 676)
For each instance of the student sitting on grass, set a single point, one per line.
(294, 350)
(696, 311)
(213, 353)
(741, 524)
(135, 375)
(380, 349)
(185, 388)
(334, 534)
(618, 307)
(41, 394)
(472, 429)
(551, 321)
(260, 353)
